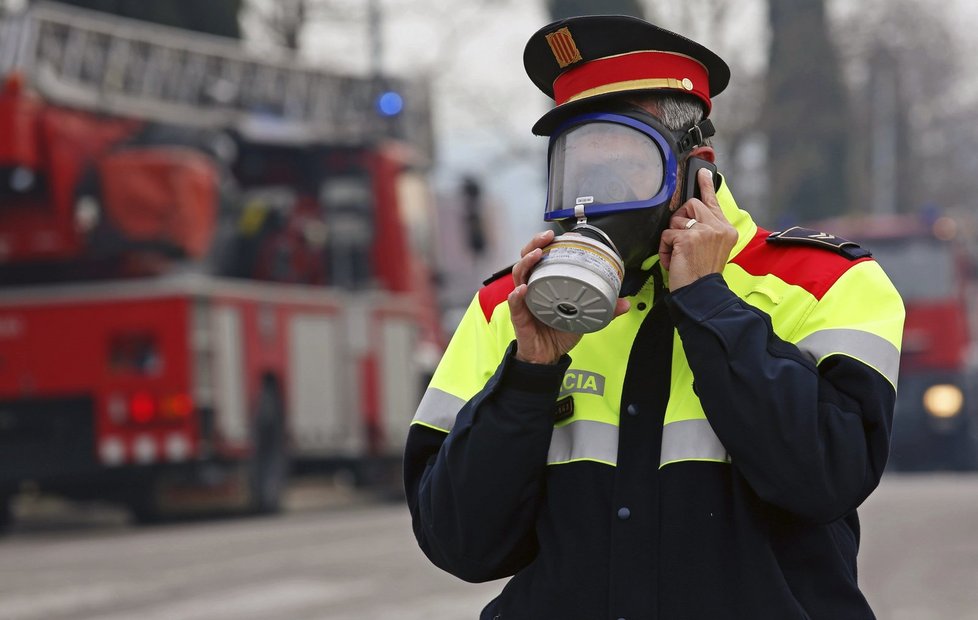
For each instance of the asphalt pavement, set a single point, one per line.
(339, 554)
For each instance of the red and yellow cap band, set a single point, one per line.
(642, 70)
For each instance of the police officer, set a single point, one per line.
(703, 455)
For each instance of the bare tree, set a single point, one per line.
(279, 22)
(805, 115)
(928, 128)
(912, 107)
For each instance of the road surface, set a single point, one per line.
(356, 560)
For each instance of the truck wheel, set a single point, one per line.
(964, 457)
(268, 469)
(6, 513)
(144, 502)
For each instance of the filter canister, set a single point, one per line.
(574, 287)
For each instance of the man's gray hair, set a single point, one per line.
(677, 111)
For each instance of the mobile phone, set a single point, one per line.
(691, 187)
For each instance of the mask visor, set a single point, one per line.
(607, 163)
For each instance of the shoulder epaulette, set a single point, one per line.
(502, 272)
(796, 235)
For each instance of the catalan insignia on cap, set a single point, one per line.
(563, 46)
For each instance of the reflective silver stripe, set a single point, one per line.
(438, 409)
(864, 346)
(584, 440)
(691, 440)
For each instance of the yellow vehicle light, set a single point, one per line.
(943, 400)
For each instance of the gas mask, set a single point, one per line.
(612, 177)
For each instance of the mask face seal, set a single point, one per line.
(611, 179)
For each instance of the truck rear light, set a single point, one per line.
(144, 449)
(177, 447)
(177, 406)
(112, 451)
(142, 407)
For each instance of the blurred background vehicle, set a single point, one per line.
(215, 266)
(931, 259)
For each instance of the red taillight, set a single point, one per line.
(142, 407)
(177, 406)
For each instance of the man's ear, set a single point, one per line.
(704, 152)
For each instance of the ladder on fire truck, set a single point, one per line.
(131, 68)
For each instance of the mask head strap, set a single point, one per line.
(696, 136)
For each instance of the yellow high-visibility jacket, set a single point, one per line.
(701, 457)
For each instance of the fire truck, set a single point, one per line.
(214, 265)
(930, 257)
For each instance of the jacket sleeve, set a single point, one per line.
(475, 463)
(806, 422)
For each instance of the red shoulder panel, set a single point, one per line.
(495, 293)
(813, 269)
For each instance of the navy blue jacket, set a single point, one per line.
(767, 529)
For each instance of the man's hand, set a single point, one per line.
(536, 342)
(691, 251)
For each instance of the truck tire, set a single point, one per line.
(268, 468)
(6, 512)
(144, 502)
(964, 456)
(144, 505)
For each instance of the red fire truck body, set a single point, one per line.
(166, 341)
(104, 386)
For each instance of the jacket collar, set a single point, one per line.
(738, 218)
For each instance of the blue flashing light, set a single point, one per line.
(390, 103)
